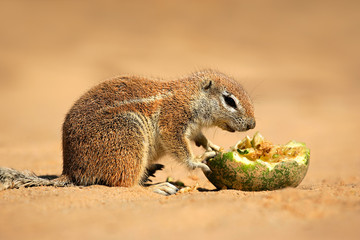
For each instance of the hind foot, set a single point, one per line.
(164, 188)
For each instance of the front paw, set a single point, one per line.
(213, 147)
(200, 161)
(200, 165)
(206, 156)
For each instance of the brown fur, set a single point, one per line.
(110, 143)
(115, 132)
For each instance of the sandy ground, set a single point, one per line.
(299, 62)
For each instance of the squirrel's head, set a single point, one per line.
(229, 105)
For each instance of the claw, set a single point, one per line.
(205, 167)
(197, 164)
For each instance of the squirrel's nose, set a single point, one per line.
(251, 123)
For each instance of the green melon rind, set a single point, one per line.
(230, 170)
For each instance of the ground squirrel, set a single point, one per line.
(117, 130)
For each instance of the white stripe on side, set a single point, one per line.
(143, 100)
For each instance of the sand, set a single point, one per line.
(298, 61)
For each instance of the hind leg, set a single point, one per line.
(111, 152)
(130, 158)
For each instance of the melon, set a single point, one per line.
(255, 164)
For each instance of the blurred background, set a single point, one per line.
(299, 60)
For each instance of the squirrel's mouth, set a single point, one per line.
(225, 126)
(228, 128)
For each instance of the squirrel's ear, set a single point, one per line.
(207, 85)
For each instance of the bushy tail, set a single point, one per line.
(11, 178)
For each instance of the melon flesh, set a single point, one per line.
(257, 165)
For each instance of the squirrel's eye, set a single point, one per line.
(230, 101)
